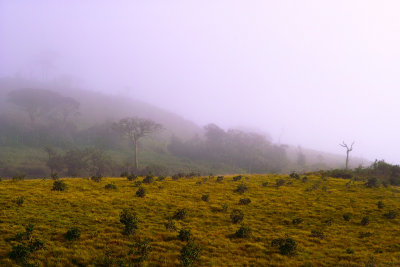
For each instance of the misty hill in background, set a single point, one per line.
(75, 127)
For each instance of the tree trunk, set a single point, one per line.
(347, 160)
(136, 158)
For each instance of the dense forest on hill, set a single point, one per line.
(55, 126)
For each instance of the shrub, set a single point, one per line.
(244, 201)
(110, 186)
(205, 198)
(131, 177)
(224, 207)
(286, 246)
(264, 184)
(220, 178)
(347, 216)
(1, 179)
(304, 179)
(391, 214)
(243, 232)
(36, 245)
(19, 200)
(141, 192)
(372, 182)
(54, 176)
(380, 204)
(177, 176)
(349, 251)
(19, 177)
(340, 173)
(279, 182)
(365, 221)
(170, 225)
(294, 175)
(129, 218)
(241, 189)
(198, 183)
(148, 179)
(161, 178)
(297, 221)
(190, 254)
(73, 234)
(237, 216)
(142, 249)
(328, 221)
(318, 234)
(96, 178)
(184, 235)
(59, 185)
(180, 214)
(19, 252)
(237, 178)
(365, 234)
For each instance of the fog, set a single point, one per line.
(309, 73)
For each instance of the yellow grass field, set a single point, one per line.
(95, 211)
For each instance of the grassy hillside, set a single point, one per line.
(309, 211)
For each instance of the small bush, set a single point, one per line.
(237, 216)
(170, 225)
(148, 179)
(59, 185)
(380, 204)
(141, 192)
(241, 189)
(237, 178)
(73, 234)
(177, 176)
(365, 221)
(161, 178)
(184, 235)
(328, 221)
(110, 186)
(19, 200)
(129, 218)
(96, 178)
(180, 214)
(19, 253)
(131, 177)
(391, 214)
(347, 216)
(304, 179)
(138, 183)
(142, 249)
(220, 179)
(318, 234)
(243, 232)
(54, 176)
(244, 201)
(205, 198)
(224, 208)
(190, 254)
(286, 246)
(372, 182)
(294, 175)
(365, 234)
(279, 182)
(36, 245)
(264, 184)
(297, 221)
(198, 183)
(349, 251)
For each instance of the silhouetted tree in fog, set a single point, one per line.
(348, 150)
(135, 129)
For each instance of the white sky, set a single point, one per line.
(313, 72)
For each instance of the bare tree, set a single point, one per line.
(136, 128)
(348, 150)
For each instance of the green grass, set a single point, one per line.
(95, 211)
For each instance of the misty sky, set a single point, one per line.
(311, 73)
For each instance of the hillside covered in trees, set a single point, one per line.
(57, 127)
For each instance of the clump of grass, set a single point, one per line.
(141, 192)
(304, 179)
(220, 179)
(287, 246)
(148, 179)
(54, 176)
(180, 214)
(279, 182)
(347, 216)
(244, 201)
(19, 201)
(243, 232)
(138, 183)
(19, 253)
(365, 221)
(73, 234)
(170, 225)
(365, 234)
(110, 186)
(241, 189)
(328, 221)
(237, 216)
(161, 178)
(205, 198)
(190, 254)
(297, 221)
(185, 235)
(96, 178)
(142, 249)
(318, 234)
(294, 175)
(380, 204)
(59, 185)
(224, 207)
(237, 178)
(264, 184)
(349, 251)
(131, 177)
(130, 220)
(391, 214)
